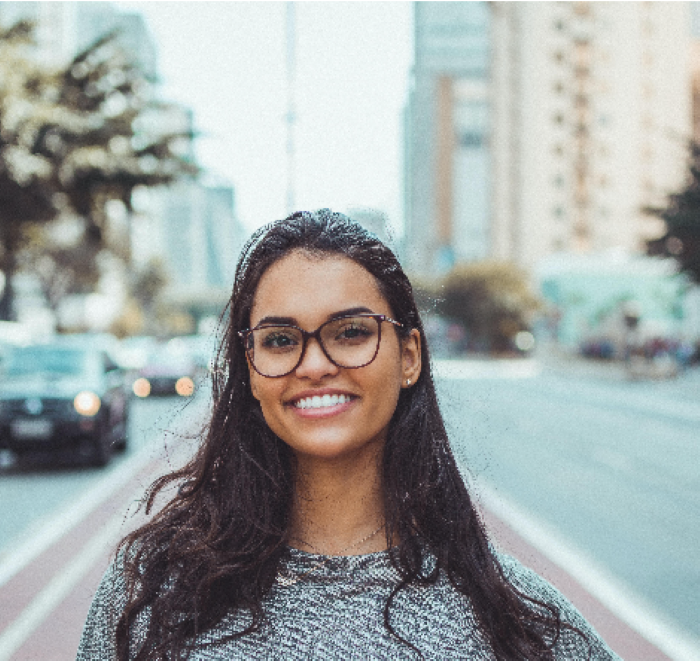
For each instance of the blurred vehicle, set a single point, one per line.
(201, 348)
(133, 352)
(60, 396)
(167, 371)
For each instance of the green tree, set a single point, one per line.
(681, 215)
(62, 263)
(24, 195)
(492, 300)
(74, 140)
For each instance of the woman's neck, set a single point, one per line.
(337, 508)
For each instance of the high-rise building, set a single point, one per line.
(591, 114)
(446, 138)
(192, 228)
(63, 29)
(190, 225)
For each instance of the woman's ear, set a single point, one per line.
(411, 358)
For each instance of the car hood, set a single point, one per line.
(46, 386)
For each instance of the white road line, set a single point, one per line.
(58, 524)
(620, 599)
(516, 368)
(15, 635)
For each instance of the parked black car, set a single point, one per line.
(56, 397)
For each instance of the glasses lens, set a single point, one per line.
(274, 350)
(351, 341)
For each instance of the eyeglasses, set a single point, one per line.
(350, 342)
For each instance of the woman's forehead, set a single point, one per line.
(300, 285)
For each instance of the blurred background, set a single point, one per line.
(536, 168)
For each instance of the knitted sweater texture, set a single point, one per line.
(336, 612)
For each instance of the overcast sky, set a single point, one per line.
(227, 61)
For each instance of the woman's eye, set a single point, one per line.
(353, 332)
(279, 341)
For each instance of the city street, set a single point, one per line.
(593, 481)
(612, 466)
(58, 527)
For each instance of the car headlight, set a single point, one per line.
(87, 403)
(184, 386)
(141, 387)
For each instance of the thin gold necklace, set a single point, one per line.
(291, 580)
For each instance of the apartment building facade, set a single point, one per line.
(446, 144)
(591, 117)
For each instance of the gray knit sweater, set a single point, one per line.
(336, 613)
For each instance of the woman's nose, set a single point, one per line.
(315, 364)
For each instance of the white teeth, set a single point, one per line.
(317, 402)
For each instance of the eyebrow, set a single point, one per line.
(291, 321)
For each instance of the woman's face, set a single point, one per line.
(308, 291)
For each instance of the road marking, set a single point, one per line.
(619, 598)
(58, 524)
(15, 635)
(515, 368)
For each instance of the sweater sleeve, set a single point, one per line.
(98, 641)
(570, 645)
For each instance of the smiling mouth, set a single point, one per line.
(321, 402)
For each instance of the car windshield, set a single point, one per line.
(164, 356)
(42, 360)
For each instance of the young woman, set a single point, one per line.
(323, 516)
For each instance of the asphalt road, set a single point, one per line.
(31, 492)
(613, 467)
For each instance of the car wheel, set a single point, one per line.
(120, 443)
(101, 451)
(101, 445)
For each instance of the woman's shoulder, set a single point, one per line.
(571, 643)
(98, 639)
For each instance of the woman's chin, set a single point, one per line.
(333, 448)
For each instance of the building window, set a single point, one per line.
(471, 140)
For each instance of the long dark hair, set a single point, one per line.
(218, 543)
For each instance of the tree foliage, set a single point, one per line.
(681, 215)
(492, 300)
(73, 140)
